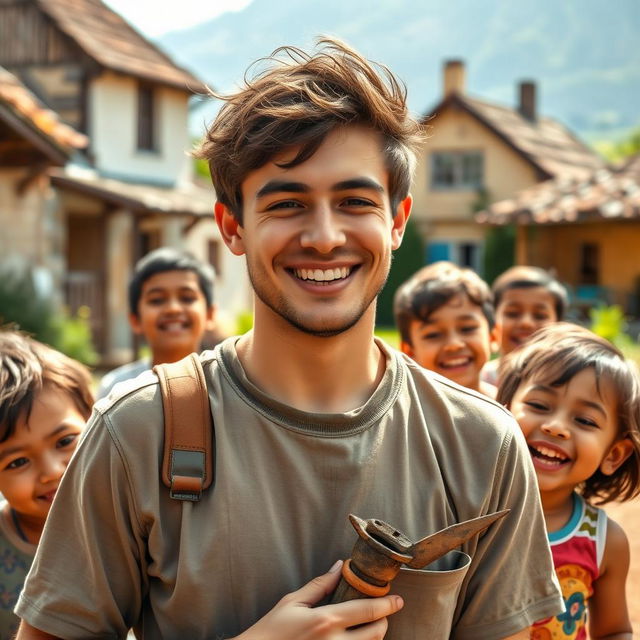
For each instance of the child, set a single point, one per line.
(525, 299)
(444, 315)
(578, 404)
(171, 305)
(45, 399)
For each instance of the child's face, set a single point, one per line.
(172, 314)
(572, 431)
(521, 313)
(455, 341)
(34, 458)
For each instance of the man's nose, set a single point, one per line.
(323, 230)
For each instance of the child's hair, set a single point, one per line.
(526, 277)
(554, 355)
(169, 259)
(432, 287)
(297, 99)
(26, 367)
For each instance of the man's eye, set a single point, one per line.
(285, 204)
(17, 463)
(66, 440)
(357, 202)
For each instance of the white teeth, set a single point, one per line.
(322, 275)
(550, 453)
(457, 362)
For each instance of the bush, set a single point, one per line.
(22, 306)
(407, 259)
(609, 322)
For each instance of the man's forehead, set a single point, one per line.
(348, 157)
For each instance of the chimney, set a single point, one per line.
(527, 106)
(454, 77)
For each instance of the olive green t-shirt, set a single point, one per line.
(421, 454)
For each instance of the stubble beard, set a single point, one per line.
(280, 306)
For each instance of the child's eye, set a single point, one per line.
(512, 314)
(67, 440)
(432, 335)
(155, 302)
(541, 317)
(469, 329)
(17, 463)
(188, 299)
(535, 405)
(587, 422)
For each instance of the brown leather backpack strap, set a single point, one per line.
(188, 459)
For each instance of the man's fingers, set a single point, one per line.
(356, 612)
(318, 588)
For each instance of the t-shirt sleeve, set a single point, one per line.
(511, 582)
(86, 579)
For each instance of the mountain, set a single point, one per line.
(584, 54)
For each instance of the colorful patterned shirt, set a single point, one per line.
(16, 557)
(577, 551)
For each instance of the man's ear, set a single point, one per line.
(618, 453)
(135, 323)
(403, 211)
(405, 347)
(230, 229)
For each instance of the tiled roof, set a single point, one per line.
(190, 199)
(545, 143)
(114, 44)
(604, 194)
(39, 119)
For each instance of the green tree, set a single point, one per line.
(619, 150)
(407, 259)
(499, 251)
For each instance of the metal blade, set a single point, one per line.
(432, 547)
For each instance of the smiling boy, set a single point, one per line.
(170, 305)
(45, 400)
(445, 316)
(314, 418)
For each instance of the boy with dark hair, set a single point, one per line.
(171, 305)
(314, 418)
(526, 299)
(45, 400)
(445, 316)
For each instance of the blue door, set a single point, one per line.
(437, 251)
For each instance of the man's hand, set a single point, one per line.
(294, 617)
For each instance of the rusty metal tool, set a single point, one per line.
(381, 550)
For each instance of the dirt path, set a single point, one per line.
(628, 515)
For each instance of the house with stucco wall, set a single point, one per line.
(129, 187)
(479, 153)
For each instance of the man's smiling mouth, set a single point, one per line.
(323, 275)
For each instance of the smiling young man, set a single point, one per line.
(314, 418)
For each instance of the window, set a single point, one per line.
(464, 254)
(146, 118)
(452, 170)
(589, 263)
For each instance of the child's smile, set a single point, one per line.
(569, 429)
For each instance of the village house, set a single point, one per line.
(479, 153)
(586, 229)
(94, 162)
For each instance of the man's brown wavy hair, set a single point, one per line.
(296, 100)
(553, 356)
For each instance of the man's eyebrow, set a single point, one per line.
(280, 186)
(358, 183)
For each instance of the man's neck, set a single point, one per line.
(316, 374)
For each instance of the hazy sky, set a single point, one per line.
(154, 18)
